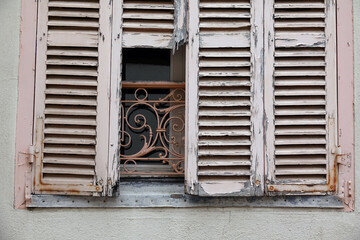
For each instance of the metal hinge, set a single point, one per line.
(341, 157)
(31, 153)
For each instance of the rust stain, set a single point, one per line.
(57, 190)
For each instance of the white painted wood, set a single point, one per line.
(300, 97)
(141, 40)
(72, 128)
(103, 98)
(191, 110)
(115, 98)
(257, 117)
(148, 24)
(241, 40)
(229, 119)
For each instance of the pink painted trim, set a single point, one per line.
(24, 122)
(346, 100)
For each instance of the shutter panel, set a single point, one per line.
(73, 68)
(158, 24)
(225, 135)
(300, 96)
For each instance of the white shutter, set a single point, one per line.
(154, 24)
(300, 96)
(225, 108)
(72, 105)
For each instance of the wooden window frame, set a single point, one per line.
(25, 117)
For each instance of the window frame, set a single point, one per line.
(25, 122)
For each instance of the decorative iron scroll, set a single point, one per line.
(152, 133)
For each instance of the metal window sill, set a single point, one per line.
(171, 195)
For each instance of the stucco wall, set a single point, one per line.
(205, 223)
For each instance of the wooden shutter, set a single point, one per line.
(72, 105)
(225, 108)
(154, 24)
(300, 96)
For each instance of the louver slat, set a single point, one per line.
(229, 94)
(302, 114)
(148, 23)
(71, 78)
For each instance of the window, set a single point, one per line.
(152, 115)
(261, 110)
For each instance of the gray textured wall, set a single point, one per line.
(203, 223)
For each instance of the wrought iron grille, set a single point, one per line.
(152, 131)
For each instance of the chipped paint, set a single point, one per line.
(180, 23)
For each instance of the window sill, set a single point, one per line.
(171, 195)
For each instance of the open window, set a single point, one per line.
(152, 115)
(231, 112)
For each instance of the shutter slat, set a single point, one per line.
(69, 159)
(142, 25)
(76, 150)
(71, 101)
(151, 6)
(73, 4)
(301, 141)
(224, 142)
(54, 169)
(216, 133)
(74, 13)
(226, 5)
(223, 163)
(149, 16)
(223, 103)
(225, 25)
(72, 62)
(52, 110)
(303, 5)
(74, 92)
(66, 140)
(71, 82)
(72, 23)
(74, 130)
(72, 71)
(224, 53)
(218, 172)
(70, 121)
(219, 82)
(73, 38)
(83, 52)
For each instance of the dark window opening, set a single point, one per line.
(152, 133)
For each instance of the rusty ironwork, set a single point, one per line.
(152, 134)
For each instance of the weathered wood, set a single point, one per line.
(146, 40)
(300, 85)
(25, 104)
(115, 96)
(154, 24)
(225, 40)
(229, 113)
(345, 56)
(71, 103)
(192, 79)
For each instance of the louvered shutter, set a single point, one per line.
(300, 96)
(225, 101)
(154, 24)
(71, 109)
